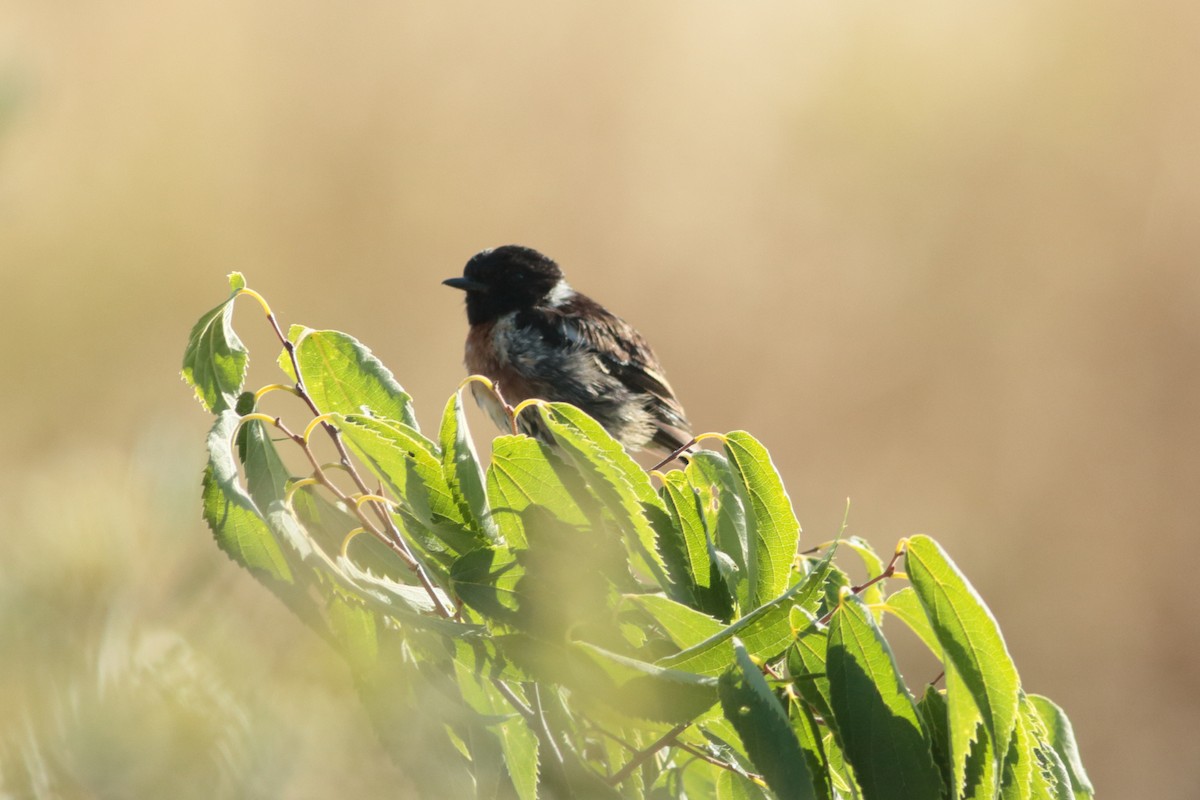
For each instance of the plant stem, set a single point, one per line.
(888, 572)
(392, 538)
(641, 757)
(397, 545)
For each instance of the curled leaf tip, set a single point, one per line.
(312, 426)
(524, 404)
(349, 536)
(262, 301)
(481, 379)
(275, 387)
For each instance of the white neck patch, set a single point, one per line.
(561, 293)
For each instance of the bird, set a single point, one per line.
(534, 336)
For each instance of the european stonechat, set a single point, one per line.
(536, 337)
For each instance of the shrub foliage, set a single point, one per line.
(554, 625)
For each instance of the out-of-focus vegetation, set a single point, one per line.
(945, 255)
(137, 665)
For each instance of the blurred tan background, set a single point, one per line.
(942, 259)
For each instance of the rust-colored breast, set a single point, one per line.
(484, 357)
(481, 351)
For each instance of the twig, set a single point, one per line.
(397, 545)
(674, 455)
(517, 703)
(888, 572)
(392, 537)
(688, 748)
(716, 762)
(643, 756)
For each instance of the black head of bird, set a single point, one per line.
(533, 335)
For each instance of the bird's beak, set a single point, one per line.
(466, 284)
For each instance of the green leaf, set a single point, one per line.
(731, 786)
(215, 360)
(328, 524)
(964, 720)
(647, 691)
(906, 606)
(711, 474)
(380, 593)
(517, 741)
(772, 529)
(717, 734)
(486, 580)
(683, 625)
(691, 547)
(409, 465)
(689, 551)
(764, 728)
(355, 627)
(615, 479)
(341, 375)
(522, 475)
(935, 713)
(765, 632)
(236, 522)
(1033, 770)
(878, 723)
(841, 774)
(602, 681)
(972, 763)
(541, 589)
(981, 778)
(267, 476)
(1061, 737)
(273, 542)
(809, 735)
(460, 464)
(806, 666)
(969, 636)
(873, 594)
(1020, 766)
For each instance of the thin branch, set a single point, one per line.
(888, 572)
(398, 546)
(688, 748)
(666, 740)
(516, 702)
(716, 762)
(543, 727)
(674, 455)
(392, 537)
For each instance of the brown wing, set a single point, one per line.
(626, 355)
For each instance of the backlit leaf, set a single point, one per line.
(237, 523)
(215, 360)
(460, 465)
(969, 636)
(764, 728)
(341, 375)
(410, 467)
(616, 480)
(1061, 737)
(685, 626)
(765, 632)
(522, 475)
(772, 529)
(878, 724)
